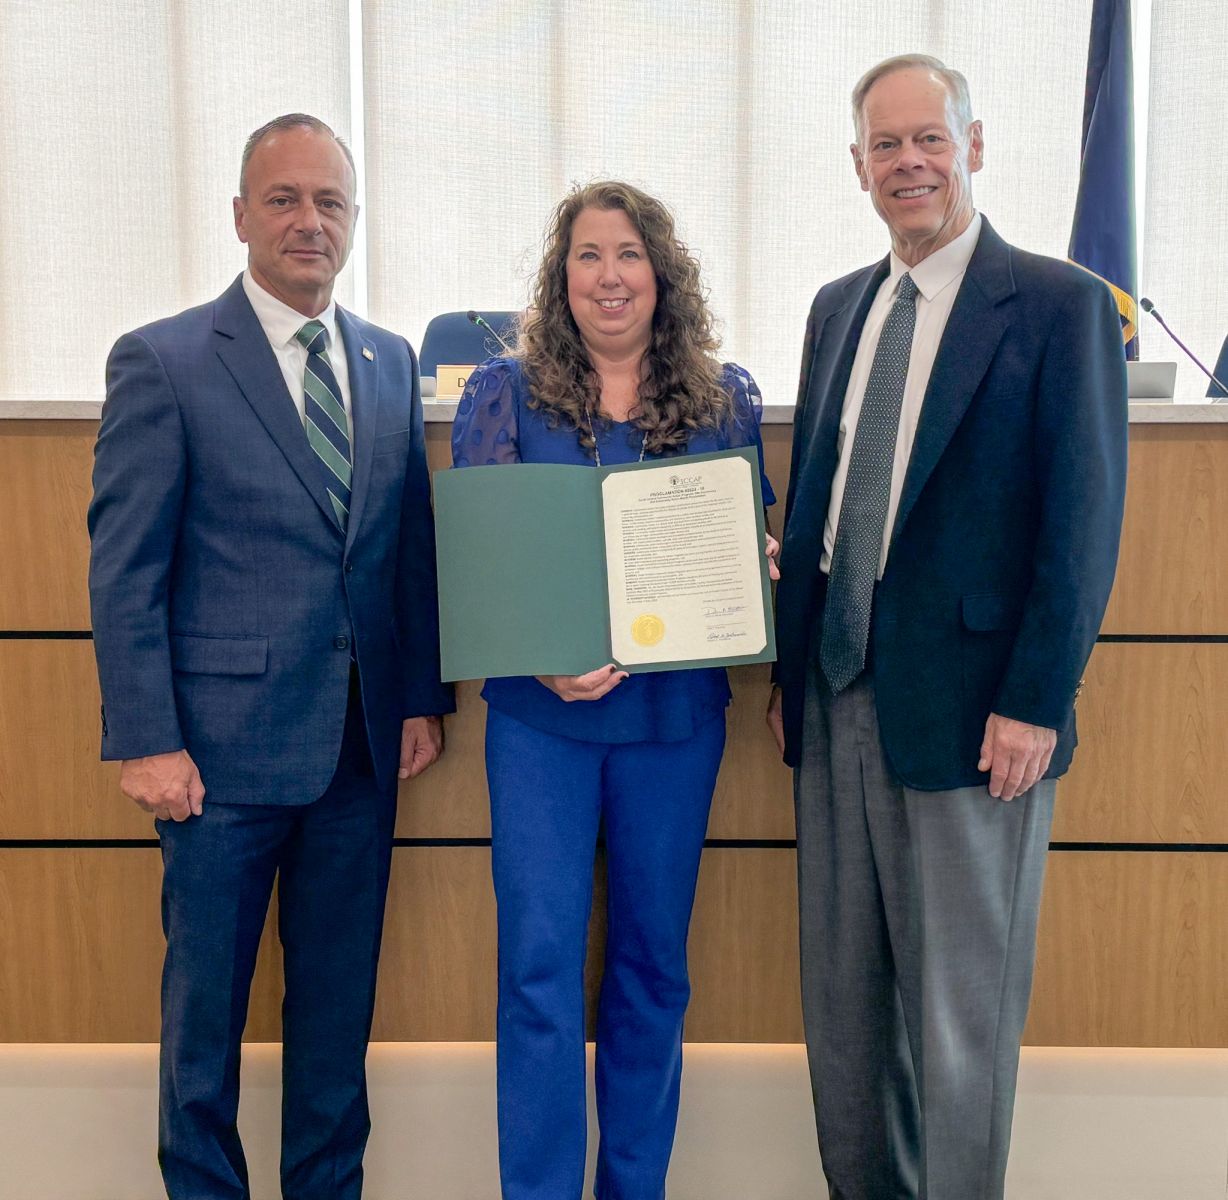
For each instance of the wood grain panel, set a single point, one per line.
(754, 791)
(1133, 951)
(44, 492)
(437, 968)
(777, 447)
(1173, 573)
(51, 782)
(438, 446)
(1153, 751)
(450, 800)
(80, 945)
(81, 948)
(743, 949)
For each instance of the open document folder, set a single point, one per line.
(557, 570)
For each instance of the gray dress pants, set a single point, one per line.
(918, 934)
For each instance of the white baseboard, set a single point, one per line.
(78, 1123)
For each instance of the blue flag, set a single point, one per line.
(1102, 237)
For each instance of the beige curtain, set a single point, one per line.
(1185, 255)
(479, 116)
(121, 126)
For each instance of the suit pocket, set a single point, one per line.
(392, 443)
(198, 654)
(991, 612)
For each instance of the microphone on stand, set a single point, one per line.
(482, 323)
(1147, 306)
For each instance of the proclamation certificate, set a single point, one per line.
(552, 569)
(684, 561)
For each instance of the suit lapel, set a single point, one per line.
(364, 403)
(245, 352)
(835, 348)
(968, 345)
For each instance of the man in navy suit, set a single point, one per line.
(959, 454)
(265, 621)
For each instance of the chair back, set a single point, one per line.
(453, 339)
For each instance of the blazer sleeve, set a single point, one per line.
(1081, 436)
(417, 596)
(140, 473)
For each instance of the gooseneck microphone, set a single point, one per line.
(1148, 307)
(482, 323)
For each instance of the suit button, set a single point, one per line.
(341, 642)
(349, 566)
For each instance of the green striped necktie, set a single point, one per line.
(328, 430)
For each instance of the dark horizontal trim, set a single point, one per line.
(1165, 638)
(86, 635)
(750, 843)
(78, 843)
(709, 844)
(441, 841)
(46, 635)
(1144, 847)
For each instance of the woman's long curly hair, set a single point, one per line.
(680, 390)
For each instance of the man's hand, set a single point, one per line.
(421, 745)
(776, 720)
(1015, 754)
(772, 550)
(592, 686)
(167, 785)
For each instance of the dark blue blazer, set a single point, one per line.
(226, 601)
(1005, 542)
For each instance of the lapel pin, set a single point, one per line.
(366, 353)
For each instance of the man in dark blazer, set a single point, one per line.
(959, 454)
(265, 620)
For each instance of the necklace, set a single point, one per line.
(597, 450)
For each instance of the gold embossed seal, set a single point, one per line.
(647, 629)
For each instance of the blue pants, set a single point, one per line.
(331, 859)
(548, 797)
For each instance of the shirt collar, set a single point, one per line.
(279, 321)
(937, 271)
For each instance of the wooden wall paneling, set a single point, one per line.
(51, 782)
(1133, 951)
(777, 448)
(438, 446)
(81, 948)
(437, 969)
(44, 492)
(80, 945)
(754, 791)
(1153, 753)
(450, 800)
(1172, 576)
(745, 981)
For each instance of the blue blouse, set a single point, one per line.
(494, 424)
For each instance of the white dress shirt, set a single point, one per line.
(938, 279)
(280, 323)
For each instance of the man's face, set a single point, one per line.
(297, 216)
(914, 162)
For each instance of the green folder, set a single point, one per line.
(523, 580)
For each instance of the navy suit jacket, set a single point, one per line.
(1005, 542)
(226, 600)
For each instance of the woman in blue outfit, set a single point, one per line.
(615, 364)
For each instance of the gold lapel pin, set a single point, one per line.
(366, 353)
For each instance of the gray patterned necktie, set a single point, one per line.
(867, 493)
(324, 417)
